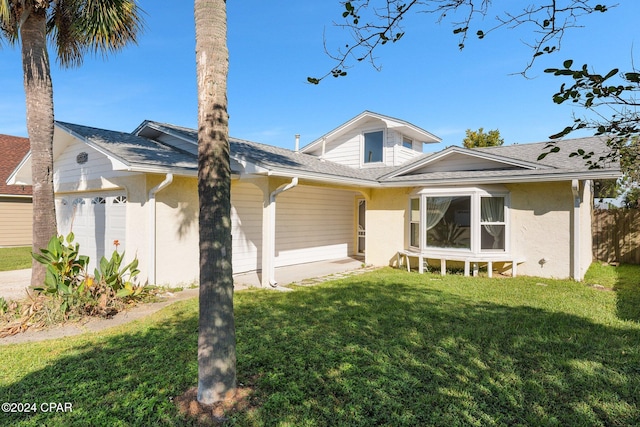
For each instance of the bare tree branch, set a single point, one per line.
(373, 23)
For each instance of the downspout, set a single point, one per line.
(272, 228)
(576, 274)
(152, 226)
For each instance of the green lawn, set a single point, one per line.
(15, 258)
(386, 348)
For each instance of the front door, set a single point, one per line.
(362, 229)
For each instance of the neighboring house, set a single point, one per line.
(365, 188)
(15, 200)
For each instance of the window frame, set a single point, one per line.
(407, 140)
(476, 194)
(363, 161)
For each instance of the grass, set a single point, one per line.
(15, 258)
(385, 348)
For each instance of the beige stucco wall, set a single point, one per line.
(541, 224)
(387, 212)
(177, 250)
(541, 220)
(15, 221)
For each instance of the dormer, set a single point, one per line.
(371, 140)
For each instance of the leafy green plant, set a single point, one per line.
(103, 294)
(4, 306)
(120, 279)
(65, 270)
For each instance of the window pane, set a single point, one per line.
(415, 210)
(448, 222)
(407, 143)
(373, 147)
(415, 235)
(492, 209)
(492, 237)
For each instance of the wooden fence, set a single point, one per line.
(616, 235)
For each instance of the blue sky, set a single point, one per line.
(275, 45)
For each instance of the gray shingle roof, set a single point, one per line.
(142, 152)
(276, 158)
(561, 159)
(133, 150)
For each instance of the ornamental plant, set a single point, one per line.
(65, 275)
(103, 294)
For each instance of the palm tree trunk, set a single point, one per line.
(39, 103)
(216, 337)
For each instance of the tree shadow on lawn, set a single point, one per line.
(371, 353)
(627, 290)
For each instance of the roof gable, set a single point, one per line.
(404, 127)
(132, 151)
(13, 150)
(458, 159)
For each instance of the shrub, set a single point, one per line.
(65, 270)
(105, 293)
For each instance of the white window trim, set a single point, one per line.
(475, 193)
(384, 146)
(408, 140)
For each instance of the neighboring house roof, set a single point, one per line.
(402, 126)
(12, 150)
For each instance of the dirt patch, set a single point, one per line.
(218, 413)
(600, 288)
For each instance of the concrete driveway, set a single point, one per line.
(13, 284)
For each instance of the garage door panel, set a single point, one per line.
(96, 219)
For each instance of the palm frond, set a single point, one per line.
(96, 26)
(8, 21)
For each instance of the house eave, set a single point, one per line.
(319, 177)
(563, 176)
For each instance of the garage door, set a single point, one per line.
(96, 219)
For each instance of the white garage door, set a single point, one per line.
(246, 227)
(96, 219)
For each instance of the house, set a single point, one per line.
(15, 200)
(364, 188)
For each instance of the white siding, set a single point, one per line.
(402, 154)
(68, 171)
(346, 149)
(246, 223)
(462, 162)
(314, 224)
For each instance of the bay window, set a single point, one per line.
(447, 222)
(472, 220)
